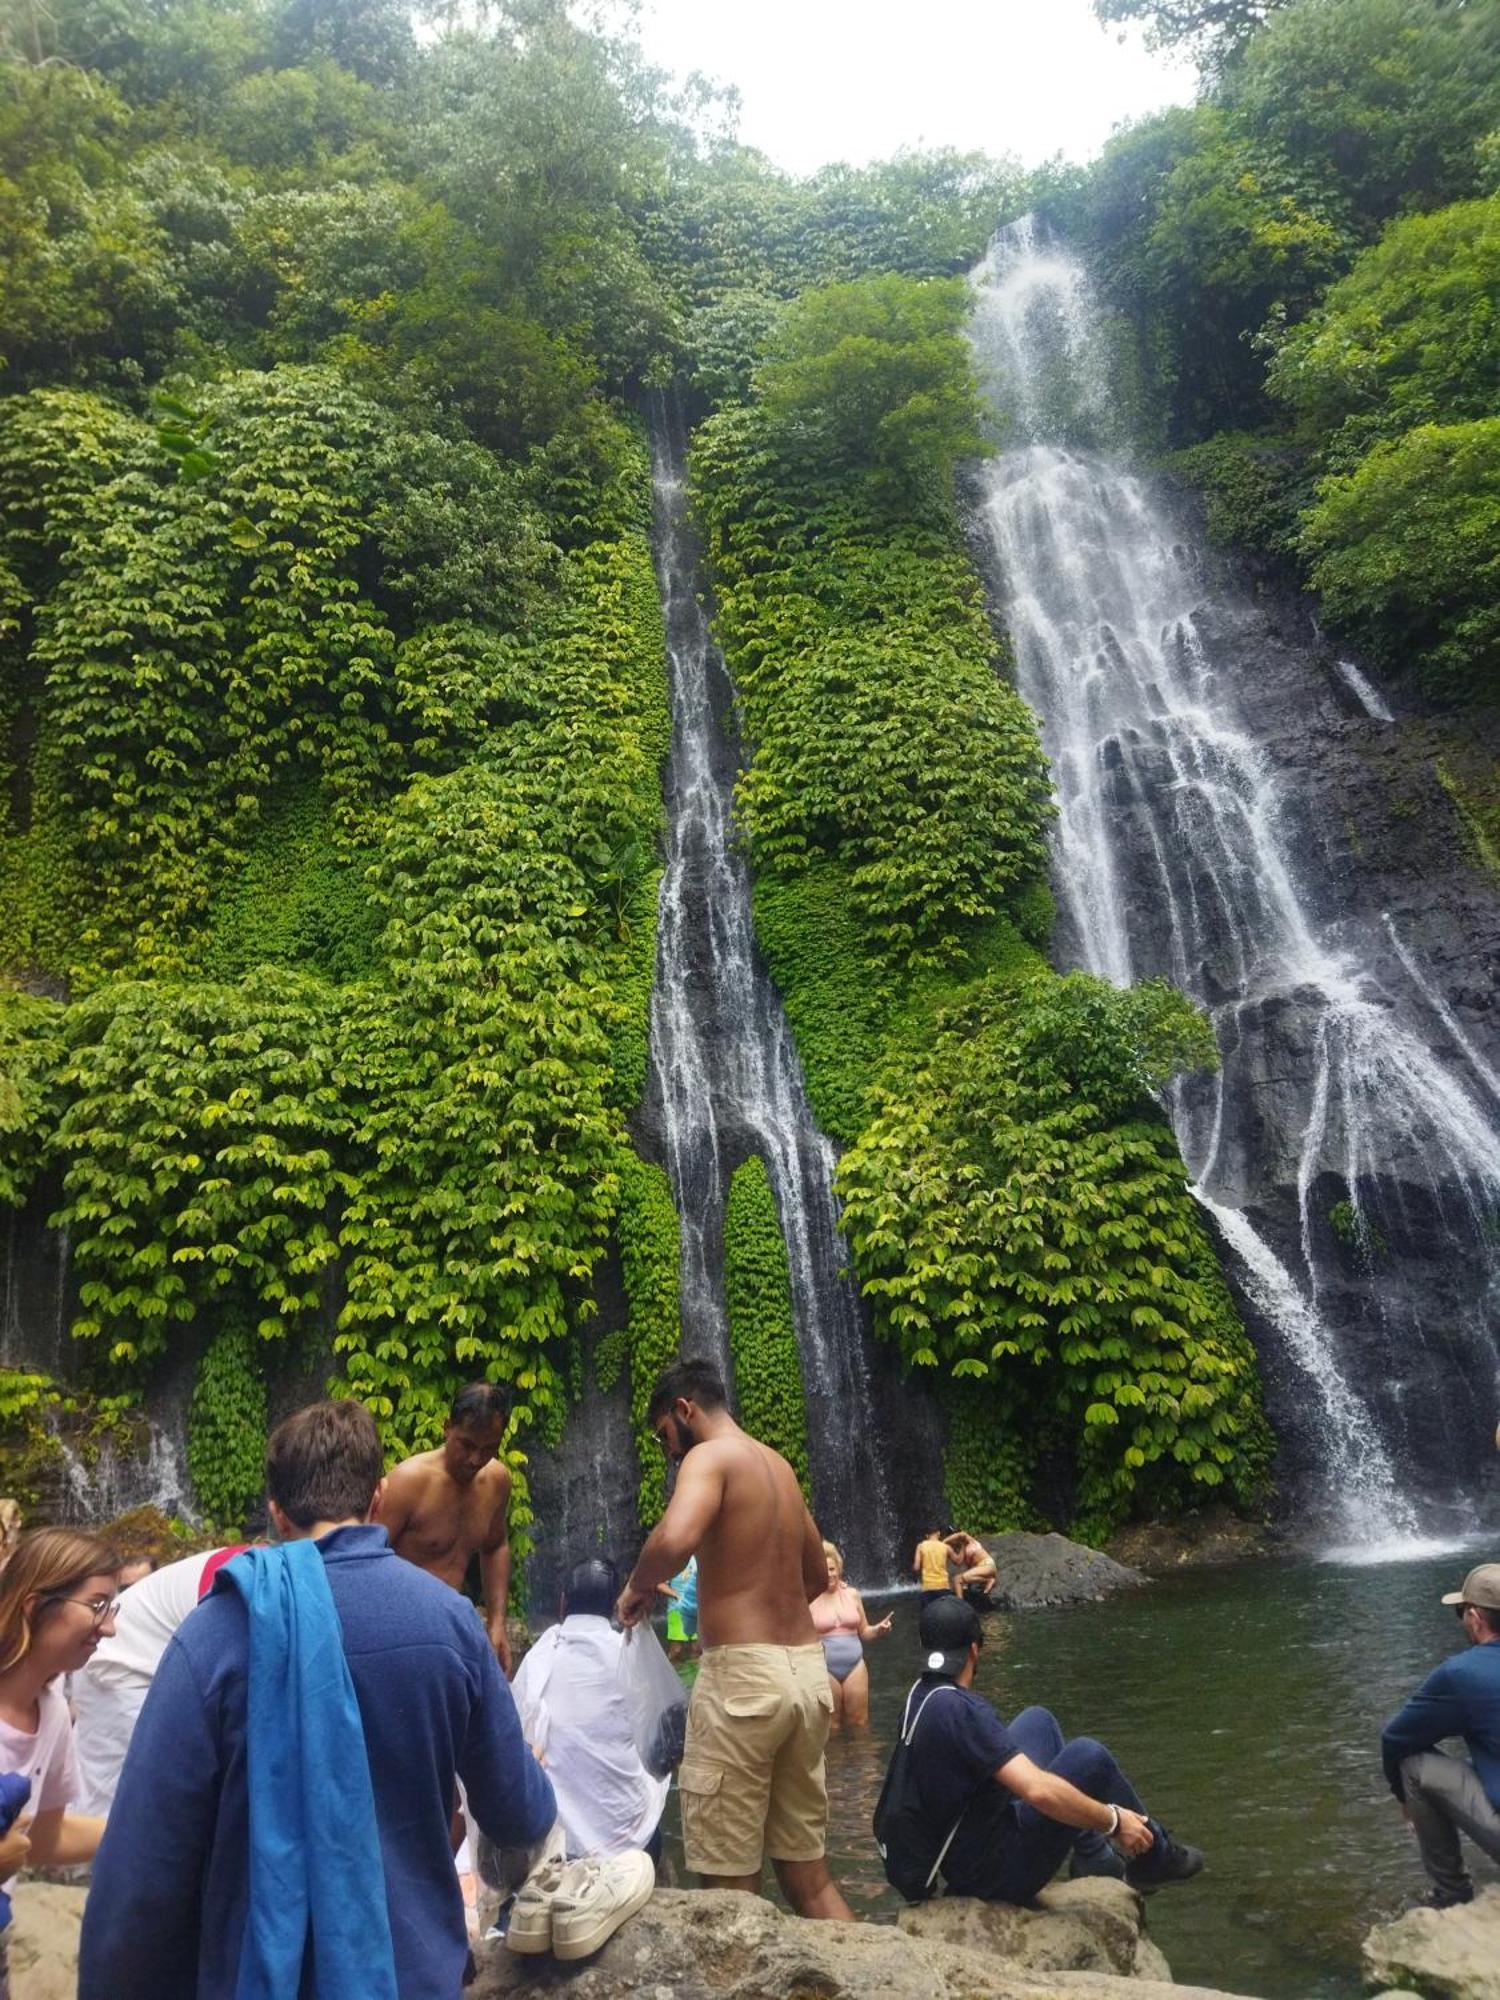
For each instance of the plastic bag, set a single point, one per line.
(656, 1699)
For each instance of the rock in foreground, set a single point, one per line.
(1441, 1954)
(1049, 1569)
(715, 1945)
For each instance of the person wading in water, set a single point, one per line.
(752, 1777)
(444, 1506)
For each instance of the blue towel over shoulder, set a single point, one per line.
(314, 1850)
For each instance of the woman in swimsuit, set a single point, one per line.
(839, 1615)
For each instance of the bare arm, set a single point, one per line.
(494, 1570)
(1064, 1802)
(814, 1562)
(690, 1514)
(61, 1839)
(866, 1629)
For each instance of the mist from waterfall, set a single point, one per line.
(1180, 853)
(725, 1077)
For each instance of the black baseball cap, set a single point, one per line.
(947, 1629)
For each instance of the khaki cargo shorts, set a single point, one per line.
(751, 1779)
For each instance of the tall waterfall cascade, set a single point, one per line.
(1348, 1148)
(725, 1080)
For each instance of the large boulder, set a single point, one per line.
(1049, 1569)
(713, 1944)
(1440, 1954)
(1094, 1925)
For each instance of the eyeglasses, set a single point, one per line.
(101, 1609)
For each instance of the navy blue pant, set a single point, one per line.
(1005, 1850)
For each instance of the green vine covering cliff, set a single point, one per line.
(1014, 1200)
(762, 1334)
(332, 698)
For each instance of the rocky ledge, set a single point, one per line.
(1441, 1955)
(1083, 1941)
(1049, 1569)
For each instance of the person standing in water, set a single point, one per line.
(930, 1565)
(444, 1506)
(839, 1615)
(752, 1778)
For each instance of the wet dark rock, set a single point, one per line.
(1049, 1569)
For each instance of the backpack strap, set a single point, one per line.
(908, 1731)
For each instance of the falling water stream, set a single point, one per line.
(1180, 853)
(725, 1078)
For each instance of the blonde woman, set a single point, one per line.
(57, 1601)
(839, 1615)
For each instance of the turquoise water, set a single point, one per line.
(1246, 1705)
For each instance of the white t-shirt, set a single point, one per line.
(149, 1615)
(47, 1758)
(573, 1709)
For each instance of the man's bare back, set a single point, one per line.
(443, 1507)
(751, 1583)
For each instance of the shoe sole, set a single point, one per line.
(568, 1944)
(523, 1937)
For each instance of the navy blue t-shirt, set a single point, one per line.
(958, 1746)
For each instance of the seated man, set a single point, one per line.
(575, 1715)
(976, 1569)
(1444, 1796)
(1015, 1798)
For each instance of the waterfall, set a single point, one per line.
(1337, 1147)
(725, 1079)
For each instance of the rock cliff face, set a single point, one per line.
(1390, 875)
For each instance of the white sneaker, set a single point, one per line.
(594, 1902)
(530, 1926)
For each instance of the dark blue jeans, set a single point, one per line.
(1005, 1850)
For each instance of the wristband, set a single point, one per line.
(1112, 1831)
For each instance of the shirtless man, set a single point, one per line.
(443, 1506)
(977, 1574)
(752, 1778)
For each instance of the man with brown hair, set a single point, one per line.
(443, 1507)
(752, 1778)
(301, 1811)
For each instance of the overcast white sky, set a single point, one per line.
(855, 80)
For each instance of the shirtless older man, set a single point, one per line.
(752, 1778)
(444, 1506)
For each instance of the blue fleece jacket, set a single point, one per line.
(1459, 1698)
(168, 1903)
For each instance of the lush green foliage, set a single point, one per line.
(873, 373)
(1308, 258)
(1015, 1203)
(1406, 551)
(332, 700)
(1409, 336)
(227, 1429)
(762, 1335)
(1016, 1207)
(862, 658)
(651, 1253)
